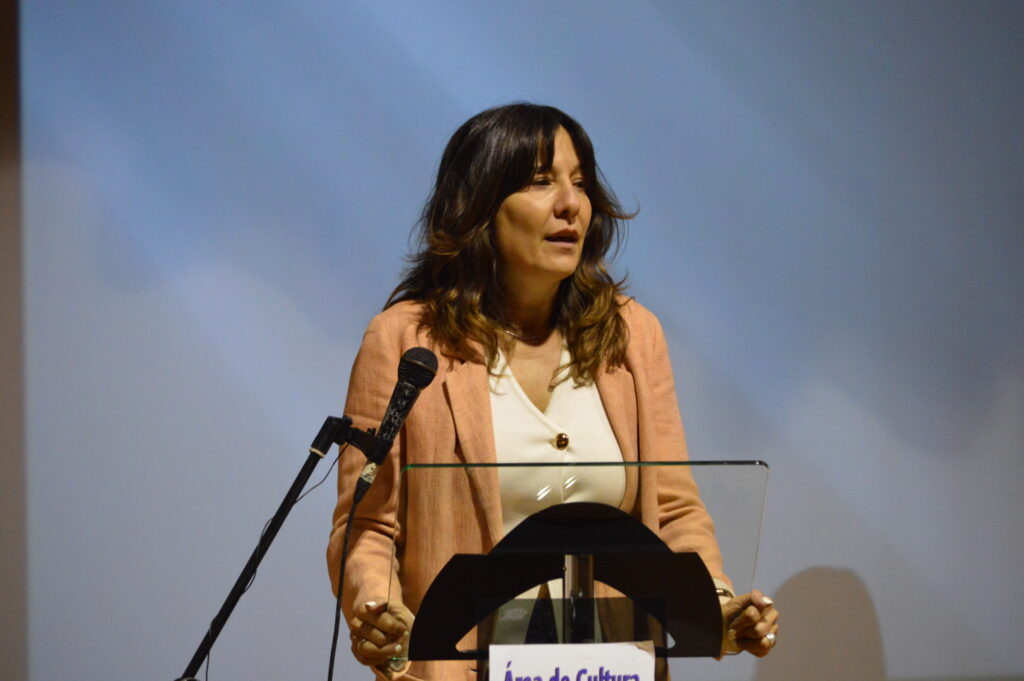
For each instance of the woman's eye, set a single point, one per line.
(541, 181)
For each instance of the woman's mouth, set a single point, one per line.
(565, 237)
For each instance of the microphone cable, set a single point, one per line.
(341, 584)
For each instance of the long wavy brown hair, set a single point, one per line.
(456, 272)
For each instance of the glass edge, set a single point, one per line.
(555, 464)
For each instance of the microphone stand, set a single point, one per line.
(335, 430)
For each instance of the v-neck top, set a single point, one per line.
(573, 429)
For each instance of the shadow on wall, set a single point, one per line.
(817, 646)
(843, 648)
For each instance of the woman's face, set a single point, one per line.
(540, 229)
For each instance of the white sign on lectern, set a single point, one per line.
(575, 662)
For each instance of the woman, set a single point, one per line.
(541, 358)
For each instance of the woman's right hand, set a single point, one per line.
(380, 631)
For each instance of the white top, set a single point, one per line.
(525, 434)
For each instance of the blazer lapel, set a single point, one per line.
(466, 388)
(618, 394)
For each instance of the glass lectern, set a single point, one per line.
(581, 572)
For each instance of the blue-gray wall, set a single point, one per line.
(219, 195)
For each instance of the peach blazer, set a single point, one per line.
(451, 423)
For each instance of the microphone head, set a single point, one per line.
(418, 367)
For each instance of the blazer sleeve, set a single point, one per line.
(371, 571)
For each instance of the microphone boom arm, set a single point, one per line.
(416, 370)
(334, 431)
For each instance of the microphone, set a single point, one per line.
(416, 370)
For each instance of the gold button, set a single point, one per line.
(561, 441)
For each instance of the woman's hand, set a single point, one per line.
(380, 631)
(753, 621)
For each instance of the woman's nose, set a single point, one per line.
(567, 202)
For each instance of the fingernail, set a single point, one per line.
(767, 601)
(398, 648)
(371, 604)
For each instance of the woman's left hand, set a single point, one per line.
(753, 621)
